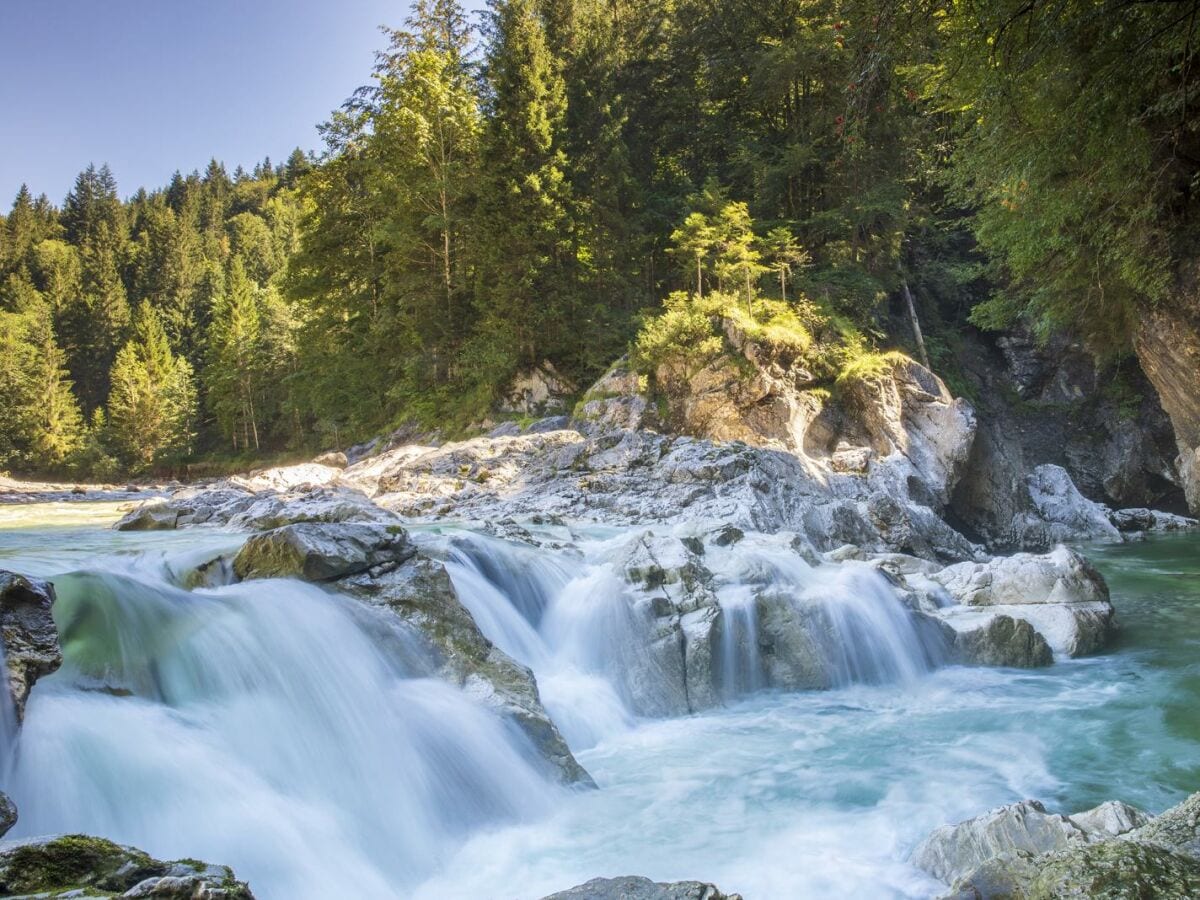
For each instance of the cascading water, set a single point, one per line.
(294, 734)
(272, 726)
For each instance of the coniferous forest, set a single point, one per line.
(529, 190)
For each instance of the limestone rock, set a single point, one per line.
(634, 888)
(1060, 594)
(1004, 641)
(28, 634)
(1060, 512)
(335, 459)
(317, 552)
(80, 866)
(953, 852)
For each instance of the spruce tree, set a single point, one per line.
(152, 402)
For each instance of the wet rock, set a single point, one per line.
(1142, 521)
(634, 888)
(321, 552)
(8, 814)
(157, 516)
(953, 852)
(421, 594)
(81, 866)
(28, 634)
(1177, 828)
(1003, 641)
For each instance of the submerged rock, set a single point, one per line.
(27, 633)
(322, 552)
(635, 888)
(81, 866)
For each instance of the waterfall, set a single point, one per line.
(271, 726)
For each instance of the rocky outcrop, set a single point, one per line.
(319, 552)
(231, 505)
(634, 888)
(539, 391)
(1021, 851)
(379, 565)
(27, 633)
(80, 866)
(954, 851)
(1168, 346)
(1060, 594)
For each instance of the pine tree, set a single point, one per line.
(528, 291)
(152, 402)
(233, 373)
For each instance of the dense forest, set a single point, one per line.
(530, 191)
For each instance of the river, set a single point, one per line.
(293, 735)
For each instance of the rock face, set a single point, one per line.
(1055, 405)
(634, 888)
(80, 866)
(28, 634)
(1059, 594)
(539, 392)
(1168, 346)
(316, 552)
(1004, 641)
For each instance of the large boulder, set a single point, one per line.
(80, 866)
(1060, 594)
(1060, 512)
(1003, 641)
(317, 552)
(635, 888)
(421, 594)
(954, 851)
(27, 633)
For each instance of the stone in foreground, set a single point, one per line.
(635, 888)
(320, 552)
(80, 866)
(27, 634)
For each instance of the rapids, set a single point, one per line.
(296, 736)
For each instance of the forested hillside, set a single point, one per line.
(531, 192)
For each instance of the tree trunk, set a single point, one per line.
(916, 324)
(1168, 346)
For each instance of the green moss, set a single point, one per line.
(73, 861)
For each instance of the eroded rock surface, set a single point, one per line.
(28, 634)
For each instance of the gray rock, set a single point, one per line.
(155, 516)
(1060, 594)
(634, 888)
(1060, 512)
(80, 866)
(8, 814)
(953, 852)
(1003, 641)
(421, 594)
(1177, 828)
(318, 552)
(28, 634)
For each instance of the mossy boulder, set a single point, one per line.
(322, 552)
(80, 866)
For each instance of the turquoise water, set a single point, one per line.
(781, 796)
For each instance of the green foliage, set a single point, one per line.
(869, 366)
(152, 404)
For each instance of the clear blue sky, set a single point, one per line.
(151, 86)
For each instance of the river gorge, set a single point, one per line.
(298, 736)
